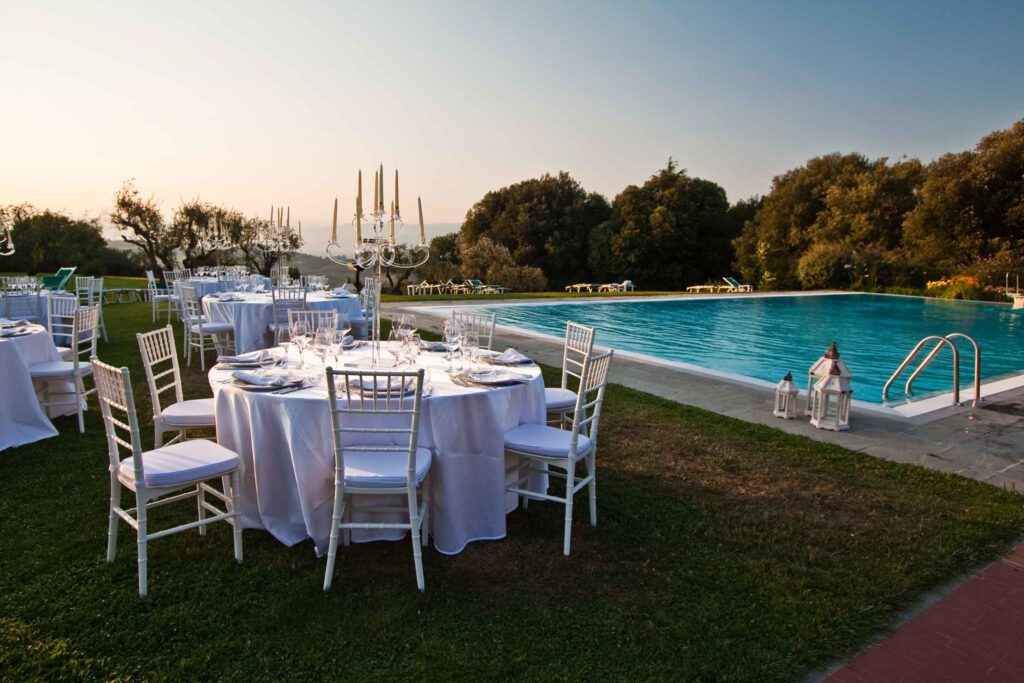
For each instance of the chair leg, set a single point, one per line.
(592, 487)
(158, 435)
(332, 548)
(417, 550)
(115, 502)
(236, 521)
(80, 398)
(425, 522)
(200, 510)
(570, 475)
(142, 520)
(202, 351)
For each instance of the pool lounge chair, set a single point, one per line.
(735, 286)
(457, 286)
(60, 279)
(697, 289)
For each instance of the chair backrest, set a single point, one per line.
(369, 297)
(731, 282)
(589, 397)
(20, 298)
(97, 291)
(380, 421)
(83, 334)
(279, 275)
(579, 342)
(480, 323)
(159, 349)
(314, 320)
(120, 420)
(85, 290)
(227, 283)
(60, 315)
(285, 299)
(190, 304)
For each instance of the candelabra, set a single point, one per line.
(7, 241)
(377, 249)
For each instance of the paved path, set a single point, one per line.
(975, 633)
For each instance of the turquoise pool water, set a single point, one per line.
(766, 336)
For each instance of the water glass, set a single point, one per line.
(450, 339)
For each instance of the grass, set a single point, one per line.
(724, 551)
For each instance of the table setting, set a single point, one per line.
(272, 409)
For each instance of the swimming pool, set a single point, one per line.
(765, 336)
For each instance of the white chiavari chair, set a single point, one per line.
(579, 344)
(481, 324)
(200, 333)
(283, 301)
(60, 322)
(375, 419)
(160, 299)
(83, 345)
(171, 413)
(535, 448)
(163, 475)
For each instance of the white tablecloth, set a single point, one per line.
(288, 461)
(26, 306)
(252, 314)
(22, 419)
(208, 285)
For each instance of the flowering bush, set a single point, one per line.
(962, 287)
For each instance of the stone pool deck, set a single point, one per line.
(984, 443)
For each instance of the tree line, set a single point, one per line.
(838, 221)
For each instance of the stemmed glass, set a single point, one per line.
(322, 344)
(300, 337)
(395, 343)
(412, 348)
(471, 345)
(450, 339)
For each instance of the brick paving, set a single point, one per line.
(975, 633)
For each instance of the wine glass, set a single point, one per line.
(395, 345)
(300, 337)
(412, 348)
(322, 344)
(471, 346)
(450, 340)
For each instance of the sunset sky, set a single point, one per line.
(249, 104)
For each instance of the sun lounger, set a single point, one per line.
(60, 279)
(735, 286)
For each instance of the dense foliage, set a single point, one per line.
(670, 232)
(543, 222)
(47, 241)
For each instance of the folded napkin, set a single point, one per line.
(432, 346)
(263, 380)
(348, 341)
(341, 291)
(13, 331)
(511, 357)
(12, 324)
(250, 357)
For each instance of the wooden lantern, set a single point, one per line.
(821, 369)
(785, 398)
(830, 402)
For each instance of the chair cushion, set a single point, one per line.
(385, 470)
(161, 297)
(58, 368)
(65, 352)
(278, 326)
(543, 440)
(193, 413)
(559, 399)
(181, 463)
(214, 328)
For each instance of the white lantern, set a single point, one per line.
(822, 368)
(830, 402)
(785, 398)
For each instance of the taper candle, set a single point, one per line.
(382, 188)
(334, 222)
(359, 192)
(359, 219)
(423, 235)
(280, 215)
(300, 230)
(392, 222)
(289, 221)
(397, 210)
(376, 186)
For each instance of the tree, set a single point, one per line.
(494, 263)
(261, 243)
(141, 219)
(544, 222)
(443, 263)
(672, 229)
(971, 204)
(773, 241)
(47, 241)
(191, 223)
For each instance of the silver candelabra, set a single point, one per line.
(376, 248)
(7, 240)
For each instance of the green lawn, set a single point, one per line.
(725, 551)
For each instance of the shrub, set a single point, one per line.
(823, 266)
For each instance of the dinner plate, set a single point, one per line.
(496, 378)
(264, 387)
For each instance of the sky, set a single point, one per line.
(252, 104)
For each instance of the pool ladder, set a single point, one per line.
(941, 341)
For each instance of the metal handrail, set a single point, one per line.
(910, 357)
(935, 351)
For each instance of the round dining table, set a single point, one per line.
(205, 286)
(285, 444)
(251, 314)
(22, 419)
